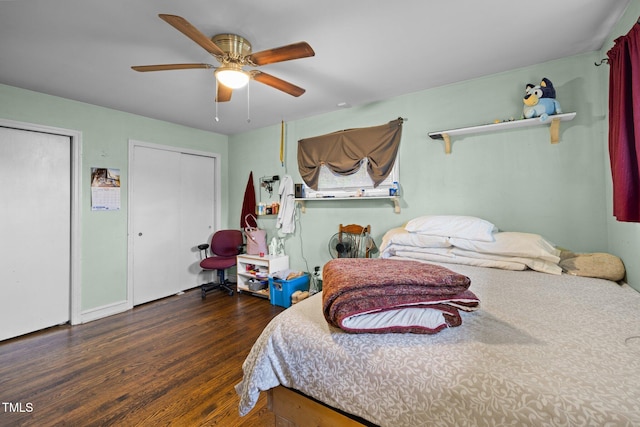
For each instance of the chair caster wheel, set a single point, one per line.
(203, 294)
(230, 293)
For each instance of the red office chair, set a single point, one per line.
(225, 246)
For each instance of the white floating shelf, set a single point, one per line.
(553, 121)
(303, 201)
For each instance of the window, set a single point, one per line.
(333, 185)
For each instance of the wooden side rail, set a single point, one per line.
(293, 409)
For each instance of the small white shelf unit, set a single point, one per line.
(303, 201)
(256, 267)
(553, 121)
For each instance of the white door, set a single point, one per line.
(172, 211)
(35, 231)
(197, 219)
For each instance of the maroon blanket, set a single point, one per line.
(353, 287)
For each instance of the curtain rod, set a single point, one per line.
(605, 60)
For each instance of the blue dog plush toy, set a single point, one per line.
(540, 101)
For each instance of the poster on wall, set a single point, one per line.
(105, 189)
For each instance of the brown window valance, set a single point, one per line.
(342, 152)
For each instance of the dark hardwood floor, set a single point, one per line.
(169, 362)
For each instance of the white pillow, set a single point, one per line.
(400, 236)
(510, 243)
(463, 227)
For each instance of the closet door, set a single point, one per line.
(156, 223)
(197, 190)
(35, 230)
(172, 211)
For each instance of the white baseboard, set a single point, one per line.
(104, 311)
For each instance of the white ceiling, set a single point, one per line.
(366, 50)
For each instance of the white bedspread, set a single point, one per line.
(541, 350)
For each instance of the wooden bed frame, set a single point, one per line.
(294, 409)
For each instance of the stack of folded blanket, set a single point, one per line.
(379, 296)
(471, 241)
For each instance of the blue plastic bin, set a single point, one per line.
(280, 290)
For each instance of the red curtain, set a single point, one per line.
(248, 205)
(624, 125)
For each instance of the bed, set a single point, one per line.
(541, 349)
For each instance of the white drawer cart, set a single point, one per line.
(248, 265)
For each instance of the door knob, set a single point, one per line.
(139, 234)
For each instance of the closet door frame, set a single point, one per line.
(75, 136)
(217, 198)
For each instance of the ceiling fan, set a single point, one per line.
(233, 52)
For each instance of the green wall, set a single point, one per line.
(514, 178)
(105, 136)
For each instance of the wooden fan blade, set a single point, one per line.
(284, 53)
(182, 25)
(224, 93)
(277, 83)
(167, 67)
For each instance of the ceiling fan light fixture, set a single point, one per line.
(232, 76)
(234, 52)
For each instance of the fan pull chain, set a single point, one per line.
(216, 101)
(248, 105)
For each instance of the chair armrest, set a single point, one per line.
(203, 247)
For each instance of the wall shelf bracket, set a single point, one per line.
(447, 143)
(554, 130)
